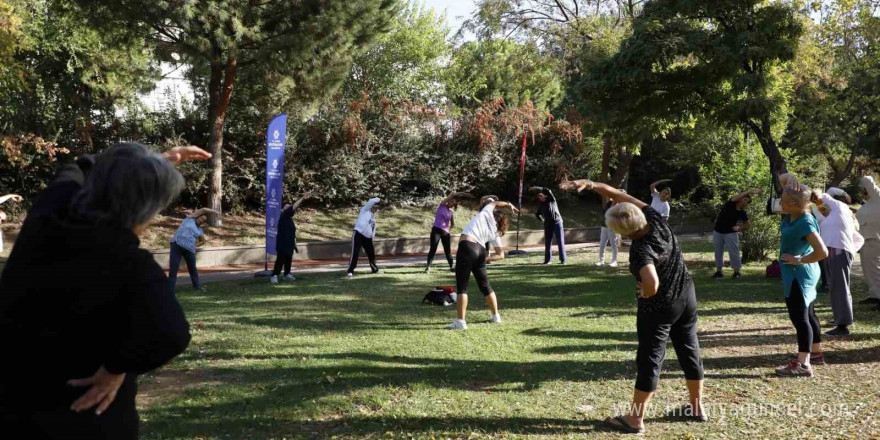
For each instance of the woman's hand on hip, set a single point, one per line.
(104, 386)
(792, 260)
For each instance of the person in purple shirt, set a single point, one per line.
(444, 220)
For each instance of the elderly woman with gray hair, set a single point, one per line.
(869, 226)
(801, 248)
(89, 309)
(667, 303)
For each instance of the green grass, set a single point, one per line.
(336, 224)
(328, 357)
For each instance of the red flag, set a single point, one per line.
(522, 167)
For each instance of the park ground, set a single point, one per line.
(326, 357)
(249, 229)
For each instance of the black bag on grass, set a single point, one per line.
(440, 297)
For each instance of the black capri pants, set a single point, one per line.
(679, 323)
(438, 235)
(471, 258)
(804, 319)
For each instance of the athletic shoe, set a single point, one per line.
(458, 324)
(349, 274)
(795, 369)
(495, 319)
(815, 359)
(600, 263)
(289, 277)
(428, 269)
(612, 264)
(562, 262)
(546, 263)
(452, 269)
(718, 274)
(737, 275)
(376, 271)
(869, 301)
(840, 330)
(274, 279)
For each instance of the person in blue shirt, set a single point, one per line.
(183, 244)
(801, 248)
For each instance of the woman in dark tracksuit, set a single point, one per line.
(667, 304)
(285, 241)
(548, 212)
(444, 220)
(89, 309)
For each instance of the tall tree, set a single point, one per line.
(687, 58)
(407, 63)
(495, 68)
(310, 43)
(836, 104)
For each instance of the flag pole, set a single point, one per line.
(522, 168)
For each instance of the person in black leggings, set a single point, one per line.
(667, 304)
(444, 220)
(489, 224)
(801, 249)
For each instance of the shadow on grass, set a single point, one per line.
(295, 388)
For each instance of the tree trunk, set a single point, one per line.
(624, 159)
(771, 150)
(606, 159)
(219, 95)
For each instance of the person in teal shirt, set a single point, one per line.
(801, 248)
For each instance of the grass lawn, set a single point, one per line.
(328, 357)
(336, 224)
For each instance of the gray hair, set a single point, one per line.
(128, 185)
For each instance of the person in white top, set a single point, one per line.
(837, 230)
(869, 226)
(3, 199)
(660, 198)
(488, 226)
(364, 231)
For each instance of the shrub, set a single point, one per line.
(760, 241)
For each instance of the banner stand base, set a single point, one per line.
(516, 253)
(263, 274)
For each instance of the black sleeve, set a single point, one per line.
(743, 215)
(68, 181)
(287, 212)
(642, 256)
(155, 328)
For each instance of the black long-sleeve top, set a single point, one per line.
(285, 241)
(548, 210)
(75, 296)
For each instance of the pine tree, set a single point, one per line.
(312, 42)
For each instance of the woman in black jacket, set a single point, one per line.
(285, 241)
(84, 309)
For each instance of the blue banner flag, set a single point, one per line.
(275, 140)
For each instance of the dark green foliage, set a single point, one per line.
(760, 241)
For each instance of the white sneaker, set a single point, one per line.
(349, 274)
(495, 319)
(600, 263)
(274, 279)
(612, 264)
(289, 277)
(458, 324)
